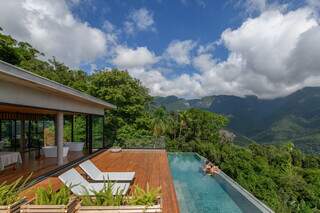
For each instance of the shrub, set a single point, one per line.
(9, 193)
(104, 197)
(48, 196)
(146, 197)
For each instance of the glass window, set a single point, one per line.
(97, 132)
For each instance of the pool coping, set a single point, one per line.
(255, 201)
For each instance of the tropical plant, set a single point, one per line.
(104, 197)
(49, 196)
(9, 193)
(147, 197)
(159, 122)
(183, 118)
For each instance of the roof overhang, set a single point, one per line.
(16, 81)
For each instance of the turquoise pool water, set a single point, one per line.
(197, 192)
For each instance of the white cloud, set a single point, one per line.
(256, 5)
(133, 58)
(139, 20)
(210, 47)
(271, 55)
(159, 85)
(314, 3)
(204, 62)
(108, 26)
(179, 51)
(304, 61)
(266, 42)
(50, 27)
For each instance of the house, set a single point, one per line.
(29, 102)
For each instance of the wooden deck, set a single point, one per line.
(37, 167)
(151, 166)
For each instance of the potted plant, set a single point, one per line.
(49, 200)
(107, 201)
(101, 200)
(148, 199)
(115, 148)
(10, 201)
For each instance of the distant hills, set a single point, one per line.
(295, 117)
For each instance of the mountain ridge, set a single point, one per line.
(295, 117)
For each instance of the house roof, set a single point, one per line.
(46, 84)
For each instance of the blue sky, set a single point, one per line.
(201, 21)
(188, 48)
(173, 20)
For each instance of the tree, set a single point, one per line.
(15, 52)
(183, 119)
(159, 122)
(127, 93)
(22, 54)
(197, 124)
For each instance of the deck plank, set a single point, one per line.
(151, 166)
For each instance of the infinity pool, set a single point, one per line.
(199, 193)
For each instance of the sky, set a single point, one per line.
(187, 48)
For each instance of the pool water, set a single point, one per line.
(196, 191)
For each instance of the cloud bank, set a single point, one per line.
(269, 55)
(50, 27)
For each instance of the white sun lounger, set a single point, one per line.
(80, 186)
(95, 174)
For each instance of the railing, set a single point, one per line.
(145, 143)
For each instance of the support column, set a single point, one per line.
(59, 137)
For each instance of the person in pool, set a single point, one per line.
(207, 166)
(214, 170)
(210, 169)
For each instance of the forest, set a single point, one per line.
(282, 176)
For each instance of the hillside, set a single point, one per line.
(295, 117)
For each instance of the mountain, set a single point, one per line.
(295, 117)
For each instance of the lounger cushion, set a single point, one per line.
(95, 174)
(117, 176)
(80, 186)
